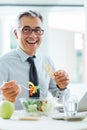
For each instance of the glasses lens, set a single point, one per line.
(38, 31)
(27, 30)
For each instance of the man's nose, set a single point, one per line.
(33, 34)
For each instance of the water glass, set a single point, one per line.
(70, 105)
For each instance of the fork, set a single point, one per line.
(49, 70)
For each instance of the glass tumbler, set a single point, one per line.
(70, 105)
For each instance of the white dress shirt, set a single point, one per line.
(14, 66)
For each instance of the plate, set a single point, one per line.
(29, 118)
(77, 117)
(22, 115)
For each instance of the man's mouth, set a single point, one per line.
(31, 42)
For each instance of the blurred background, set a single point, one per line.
(64, 38)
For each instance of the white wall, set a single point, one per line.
(62, 50)
(43, 1)
(85, 46)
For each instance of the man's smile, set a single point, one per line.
(31, 42)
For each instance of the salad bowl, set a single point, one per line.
(34, 106)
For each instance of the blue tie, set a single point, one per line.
(33, 76)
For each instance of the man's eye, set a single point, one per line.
(26, 29)
(37, 30)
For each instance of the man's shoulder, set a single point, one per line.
(10, 55)
(45, 59)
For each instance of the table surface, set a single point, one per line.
(44, 123)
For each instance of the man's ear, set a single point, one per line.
(15, 33)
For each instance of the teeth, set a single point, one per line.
(31, 42)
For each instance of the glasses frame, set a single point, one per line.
(38, 31)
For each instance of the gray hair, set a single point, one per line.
(30, 13)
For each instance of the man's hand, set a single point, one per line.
(10, 90)
(61, 78)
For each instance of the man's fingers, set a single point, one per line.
(8, 84)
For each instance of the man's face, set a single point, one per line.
(29, 39)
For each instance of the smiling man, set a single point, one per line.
(15, 68)
(29, 33)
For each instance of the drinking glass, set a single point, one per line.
(70, 105)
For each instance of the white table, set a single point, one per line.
(45, 123)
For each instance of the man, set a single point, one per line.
(14, 67)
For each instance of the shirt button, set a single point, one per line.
(58, 96)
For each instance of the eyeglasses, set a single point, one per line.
(28, 30)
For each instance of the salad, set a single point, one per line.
(37, 105)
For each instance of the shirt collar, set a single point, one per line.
(23, 55)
